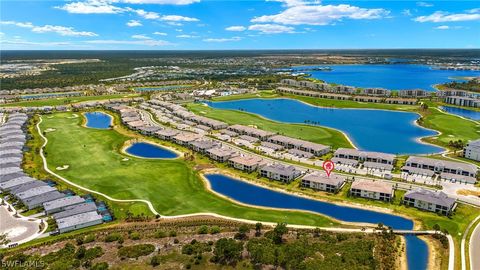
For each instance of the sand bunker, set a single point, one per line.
(73, 116)
(125, 159)
(15, 232)
(50, 129)
(64, 167)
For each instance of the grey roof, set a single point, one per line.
(26, 186)
(248, 138)
(204, 144)
(300, 153)
(167, 132)
(321, 177)
(9, 170)
(7, 177)
(377, 165)
(10, 184)
(298, 142)
(443, 163)
(250, 130)
(221, 152)
(438, 198)
(62, 202)
(78, 219)
(76, 209)
(418, 170)
(345, 161)
(364, 154)
(458, 177)
(7, 160)
(16, 154)
(270, 145)
(34, 192)
(475, 143)
(45, 197)
(280, 169)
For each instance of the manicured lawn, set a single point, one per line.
(171, 185)
(316, 134)
(453, 128)
(64, 100)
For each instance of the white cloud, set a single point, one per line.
(149, 15)
(92, 7)
(145, 42)
(424, 4)
(175, 23)
(440, 16)
(61, 30)
(271, 28)
(236, 28)
(474, 10)
(141, 37)
(178, 18)
(160, 33)
(18, 24)
(442, 27)
(406, 12)
(186, 36)
(134, 23)
(18, 42)
(222, 39)
(162, 2)
(321, 15)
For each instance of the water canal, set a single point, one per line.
(98, 120)
(470, 114)
(241, 191)
(373, 130)
(148, 150)
(393, 76)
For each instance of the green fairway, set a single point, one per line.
(452, 127)
(171, 185)
(315, 134)
(65, 100)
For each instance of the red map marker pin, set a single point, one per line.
(328, 166)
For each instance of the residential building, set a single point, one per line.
(433, 201)
(254, 132)
(280, 172)
(220, 154)
(75, 210)
(472, 150)
(376, 190)
(367, 156)
(448, 170)
(59, 205)
(246, 163)
(78, 221)
(320, 181)
(306, 146)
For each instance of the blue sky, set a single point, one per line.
(210, 24)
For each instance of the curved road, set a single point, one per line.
(475, 248)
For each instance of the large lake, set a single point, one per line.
(98, 120)
(393, 77)
(470, 114)
(417, 250)
(373, 130)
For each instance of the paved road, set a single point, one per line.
(475, 248)
(18, 229)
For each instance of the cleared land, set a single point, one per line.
(65, 100)
(172, 186)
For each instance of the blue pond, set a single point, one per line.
(417, 250)
(148, 150)
(98, 120)
(372, 130)
(394, 77)
(470, 114)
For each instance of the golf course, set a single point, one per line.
(172, 186)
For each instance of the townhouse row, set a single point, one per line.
(33, 193)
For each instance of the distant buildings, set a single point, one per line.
(376, 190)
(472, 150)
(433, 201)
